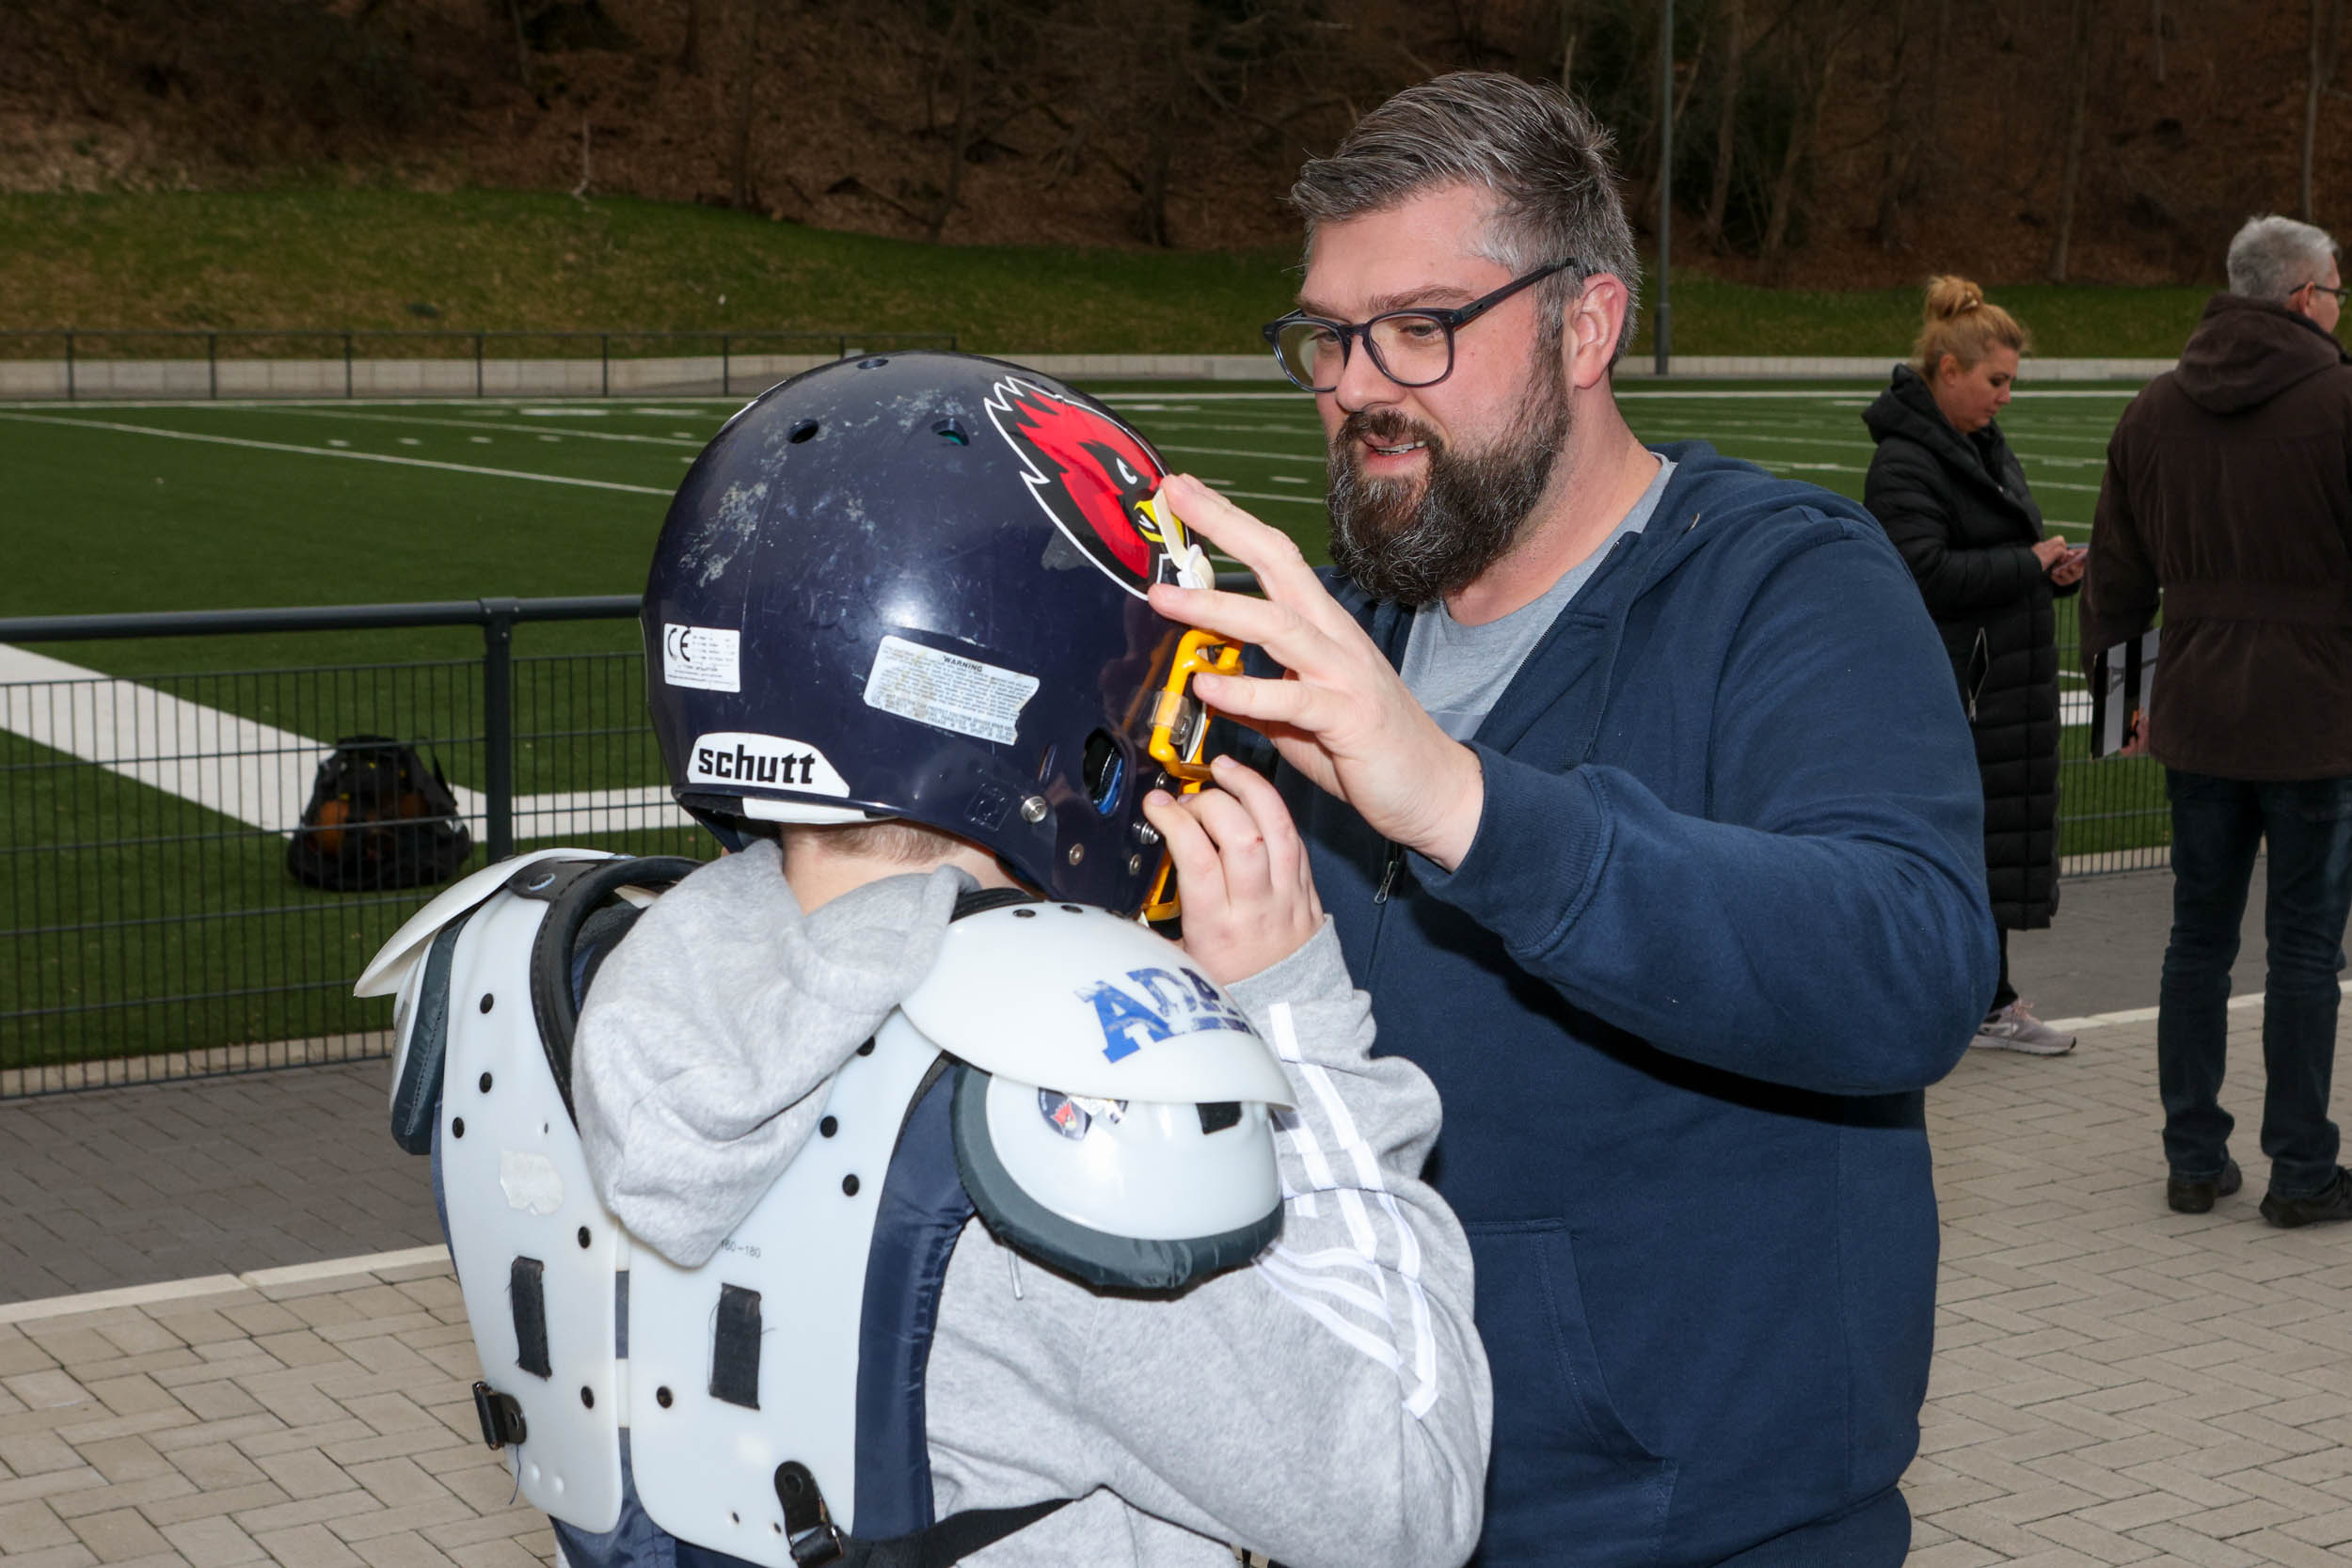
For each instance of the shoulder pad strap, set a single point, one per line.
(576, 892)
(420, 1041)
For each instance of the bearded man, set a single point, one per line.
(1638, 789)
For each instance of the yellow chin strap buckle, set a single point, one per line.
(1179, 732)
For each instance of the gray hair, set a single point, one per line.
(1539, 151)
(2273, 256)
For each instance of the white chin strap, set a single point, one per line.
(1193, 569)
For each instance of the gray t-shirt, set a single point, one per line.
(1457, 671)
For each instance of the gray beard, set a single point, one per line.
(1413, 542)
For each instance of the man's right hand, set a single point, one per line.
(2051, 551)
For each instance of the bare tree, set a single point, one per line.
(690, 49)
(1726, 117)
(2320, 66)
(1819, 33)
(2070, 175)
(747, 77)
(2156, 35)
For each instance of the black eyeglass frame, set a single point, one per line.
(2340, 293)
(1451, 318)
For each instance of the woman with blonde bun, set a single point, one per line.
(1952, 496)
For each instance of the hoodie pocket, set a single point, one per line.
(1567, 1468)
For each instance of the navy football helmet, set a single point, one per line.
(912, 586)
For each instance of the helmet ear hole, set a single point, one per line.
(803, 431)
(1105, 770)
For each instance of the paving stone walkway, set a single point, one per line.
(2113, 1382)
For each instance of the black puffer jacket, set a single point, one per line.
(1969, 538)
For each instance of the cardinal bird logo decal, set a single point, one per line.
(1091, 475)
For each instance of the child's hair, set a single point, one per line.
(1961, 323)
(898, 841)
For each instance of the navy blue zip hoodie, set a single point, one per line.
(1723, 922)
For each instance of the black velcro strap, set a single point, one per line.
(527, 1294)
(979, 901)
(948, 1542)
(734, 1348)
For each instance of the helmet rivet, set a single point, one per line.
(1147, 834)
(1033, 809)
(1135, 865)
(1077, 853)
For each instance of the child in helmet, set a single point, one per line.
(898, 659)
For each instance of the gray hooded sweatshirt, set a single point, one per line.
(1327, 1404)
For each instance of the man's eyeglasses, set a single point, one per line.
(1412, 348)
(2323, 287)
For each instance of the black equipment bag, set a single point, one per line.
(379, 818)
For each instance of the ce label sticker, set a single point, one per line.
(707, 659)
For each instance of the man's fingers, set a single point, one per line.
(1266, 550)
(1294, 703)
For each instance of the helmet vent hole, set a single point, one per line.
(803, 431)
(1104, 772)
(873, 364)
(951, 430)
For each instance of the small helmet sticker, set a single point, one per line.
(746, 761)
(1091, 475)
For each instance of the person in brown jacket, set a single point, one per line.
(2228, 492)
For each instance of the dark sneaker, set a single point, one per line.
(2188, 1196)
(2014, 1028)
(2330, 1203)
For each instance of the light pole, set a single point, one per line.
(1662, 325)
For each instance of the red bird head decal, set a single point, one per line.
(1090, 473)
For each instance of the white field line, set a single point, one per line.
(337, 452)
(262, 1280)
(486, 426)
(1236, 451)
(2147, 1015)
(249, 772)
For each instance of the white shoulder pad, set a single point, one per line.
(392, 961)
(1080, 1001)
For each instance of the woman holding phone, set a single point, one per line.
(1952, 496)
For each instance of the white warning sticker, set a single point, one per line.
(704, 658)
(947, 691)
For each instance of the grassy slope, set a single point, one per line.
(485, 260)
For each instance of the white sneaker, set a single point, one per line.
(2014, 1028)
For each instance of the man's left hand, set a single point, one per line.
(1340, 716)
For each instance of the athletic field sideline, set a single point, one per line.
(169, 505)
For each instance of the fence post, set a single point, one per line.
(347, 366)
(724, 367)
(604, 363)
(69, 394)
(211, 366)
(498, 723)
(477, 364)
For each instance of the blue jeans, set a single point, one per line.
(2217, 824)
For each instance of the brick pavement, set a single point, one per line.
(2113, 1382)
(159, 1181)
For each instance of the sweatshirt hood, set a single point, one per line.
(2245, 352)
(713, 1031)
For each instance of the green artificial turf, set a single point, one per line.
(138, 922)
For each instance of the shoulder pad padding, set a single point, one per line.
(1083, 1002)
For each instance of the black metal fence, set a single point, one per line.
(151, 928)
(352, 363)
